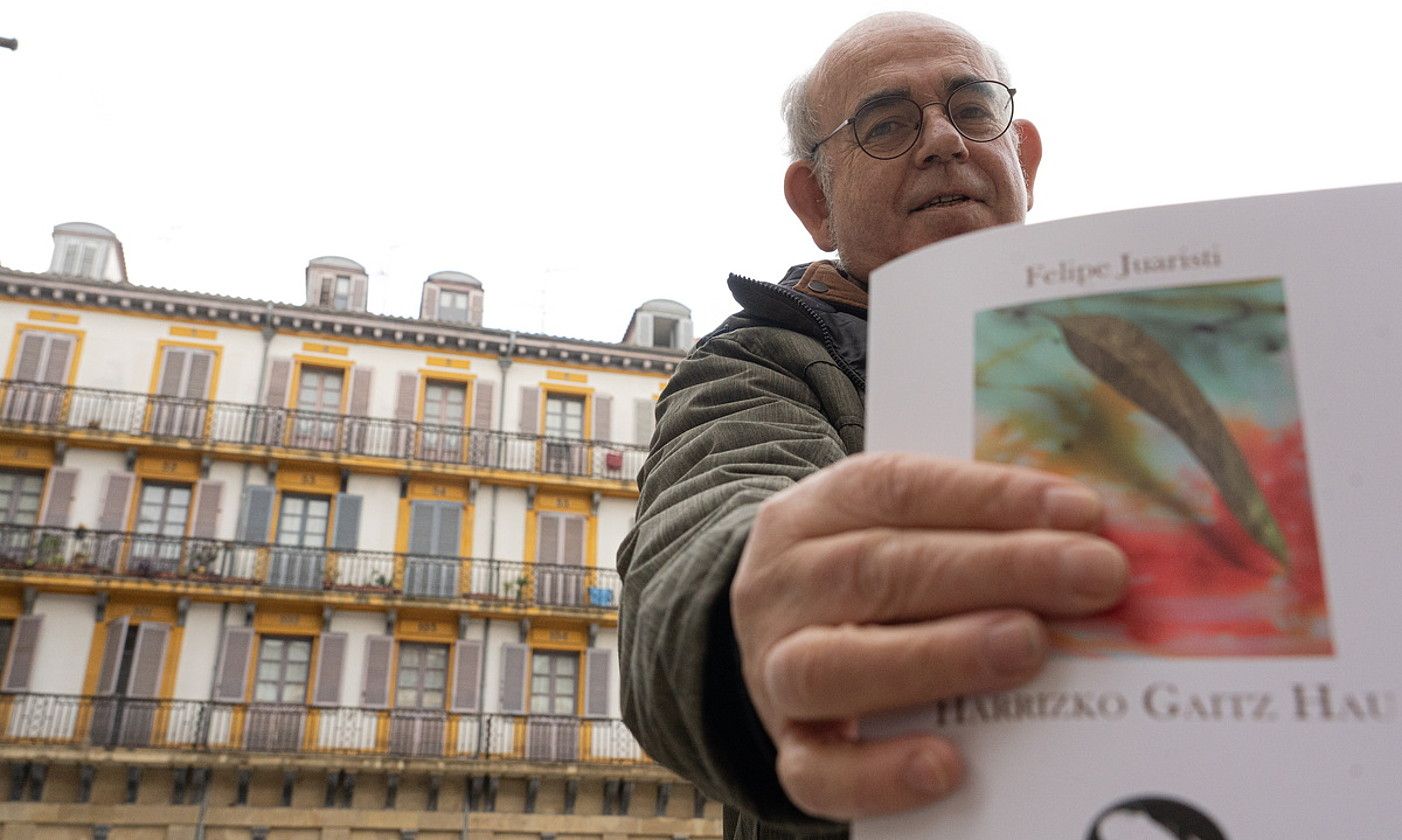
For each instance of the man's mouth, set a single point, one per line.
(942, 201)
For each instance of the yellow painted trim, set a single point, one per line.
(313, 479)
(211, 387)
(168, 467)
(58, 317)
(413, 627)
(20, 329)
(195, 332)
(345, 366)
(319, 347)
(275, 521)
(444, 361)
(26, 455)
(548, 388)
(565, 376)
(11, 605)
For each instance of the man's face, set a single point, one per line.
(877, 210)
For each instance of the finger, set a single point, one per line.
(886, 575)
(900, 489)
(824, 673)
(842, 780)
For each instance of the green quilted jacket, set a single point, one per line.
(773, 395)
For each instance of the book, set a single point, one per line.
(1228, 375)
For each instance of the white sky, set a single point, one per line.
(580, 158)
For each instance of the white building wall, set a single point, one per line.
(608, 639)
(64, 641)
(510, 525)
(379, 512)
(357, 626)
(199, 648)
(615, 518)
(93, 465)
(499, 633)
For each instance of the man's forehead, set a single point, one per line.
(927, 52)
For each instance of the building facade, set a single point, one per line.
(304, 571)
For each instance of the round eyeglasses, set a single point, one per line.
(888, 127)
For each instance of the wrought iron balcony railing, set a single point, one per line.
(492, 582)
(208, 423)
(203, 725)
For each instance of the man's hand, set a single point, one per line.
(894, 580)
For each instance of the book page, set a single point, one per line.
(1228, 376)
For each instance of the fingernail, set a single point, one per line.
(927, 774)
(1070, 506)
(1013, 645)
(1096, 571)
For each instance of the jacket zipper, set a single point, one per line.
(829, 342)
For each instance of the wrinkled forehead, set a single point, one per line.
(926, 57)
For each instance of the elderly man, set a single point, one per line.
(778, 586)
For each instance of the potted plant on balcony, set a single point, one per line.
(516, 589)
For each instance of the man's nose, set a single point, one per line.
(939, 141)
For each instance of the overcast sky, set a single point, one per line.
(580, 158)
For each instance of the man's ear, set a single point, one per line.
(1029, 153)
(809, 204)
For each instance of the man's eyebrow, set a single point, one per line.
(884, 93)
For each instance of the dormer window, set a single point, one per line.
(452, 306)
(342, 299)
(664, 332)
(82, 249)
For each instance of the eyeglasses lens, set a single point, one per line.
(887, 127)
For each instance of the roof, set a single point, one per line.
(455, 277)
(337, 262)
(84, 228)
(669, 307)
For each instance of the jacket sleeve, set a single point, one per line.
(734, 427)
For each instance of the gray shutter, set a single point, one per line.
(148, 660)
(275, 391)
(330, 662)
(116, 501)
(530, 410)
(197, 386)
(406, 396)
(447, 538)
(467, 675)
(173, 371)
(547, 544)
(208, 498)
(430, 304)
(482, 404)
(375, 692)
(598, 670)
(237, 651)
(360, 393)
(255, 513)
(23, 648)
(31, 353)
(644, 419)
(684, 334)
(421, 527)
(643, 334)
(112, 656)
(359, 291)
(603, 417)
(56, 366)
(573, 555)
(316, 290)
(514, 673)
(474, 309)
(347, 536)
(58, 497)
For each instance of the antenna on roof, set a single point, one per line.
(9, 43)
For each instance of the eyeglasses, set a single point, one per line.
(888, 127)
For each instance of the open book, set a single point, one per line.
(1229, 376)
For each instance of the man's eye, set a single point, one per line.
(886, 128)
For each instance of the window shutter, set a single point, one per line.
(173, 365)
(255, 514)
(482, 405)
(603, 417)
(330, 662)
(574, 541)
(684, 334)
(467, 675)
(347, 536)
(208, 498)
(643, 334)
(375, 693)
(197, 386)
(406, 395)
(317, 290)
(360, 393)
(31, 353)
(237, 650)
(474, 309)
(644, 419)
(530, 410)
(430, 305)
(513, 678)
(56, 366)
(116, 501)
(23, 649)
(447, 539)
(598, 673)
(147, 661)
(112, 656)
(421, 528)
(547, 544)
(275, 390)
(359, 290)
(58, 497)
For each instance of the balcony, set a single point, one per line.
(207, 726)
(483, 582)
(29, 407)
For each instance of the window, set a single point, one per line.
(664, 332)
(564, 416)
(445, 405)
(160, 527)
(453, 306)
(554, 681)
(303, 521)
(423, 676)
(19, 498)
(318, 392)
(80, 259)
(341, 295)
(283, 665)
